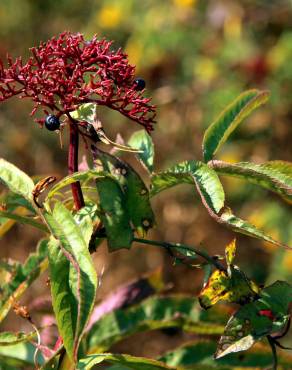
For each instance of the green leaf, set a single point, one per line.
(137, 200)
(152, 313)
(85, 112)
(73, 277)
(219, 131)
(23, 220)
(114, 214)
(77, 176)
(200, 353)
(19, 356)
(269, 314)
(192, 172)
(22, 276)
(131, 362)
(16, 180)
(142, 140)
(8, 338)
(244, 227)
(275, 176)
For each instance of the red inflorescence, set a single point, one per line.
(67, 71)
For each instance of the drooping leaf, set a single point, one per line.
(114, 214)
(142, 140)
(73, 277)
(8, 338)
(152, 313)
(16, 180)
(137, 200)
(275, 175)
(269, 314)
(192, 172)
(131, 362)
(21, 277)
(219, 131)
(237, 224)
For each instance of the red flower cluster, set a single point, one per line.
(67, 71)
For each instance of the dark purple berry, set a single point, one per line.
(52, 123)
(139, 84)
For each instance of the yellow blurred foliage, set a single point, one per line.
(109, 16)
(185, 3)
(205, 69)
(233, 26)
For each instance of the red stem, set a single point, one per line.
(73, 166)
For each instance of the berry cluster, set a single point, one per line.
(68, 71)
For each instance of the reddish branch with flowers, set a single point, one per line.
(68, 71)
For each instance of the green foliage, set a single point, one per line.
(153, 313)
(114, 214)
(266, 315)
(192, 172)
(219, 131)
(17, 277)
(15, 179)
(142, 141)
(73, 277)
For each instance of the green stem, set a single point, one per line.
(168, 245)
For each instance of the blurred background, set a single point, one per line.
(196, 57)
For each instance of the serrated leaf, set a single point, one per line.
(275, 176)
(236, 288)
(16, 180)
(267, 315)
(142, 140)
(192, 172)
(114, 214)
(22, 276)
(137, 200)
(73, 277)
(8, 338)
(131, 362)
(152, 313)
(219, 131)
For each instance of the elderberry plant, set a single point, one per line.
(68, 78)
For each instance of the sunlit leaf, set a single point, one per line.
(22, 276)
(131, 362)
(275, 175)
(16, 180)
(73, 277)
(192, 172)
(8, 338)
(269, 314)
(219, 131)
(85, 112)
(136, 193)
(142, 140)
(114, 214)
(236, 288)
(201, 353)
(19, 356)
(152, 313)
